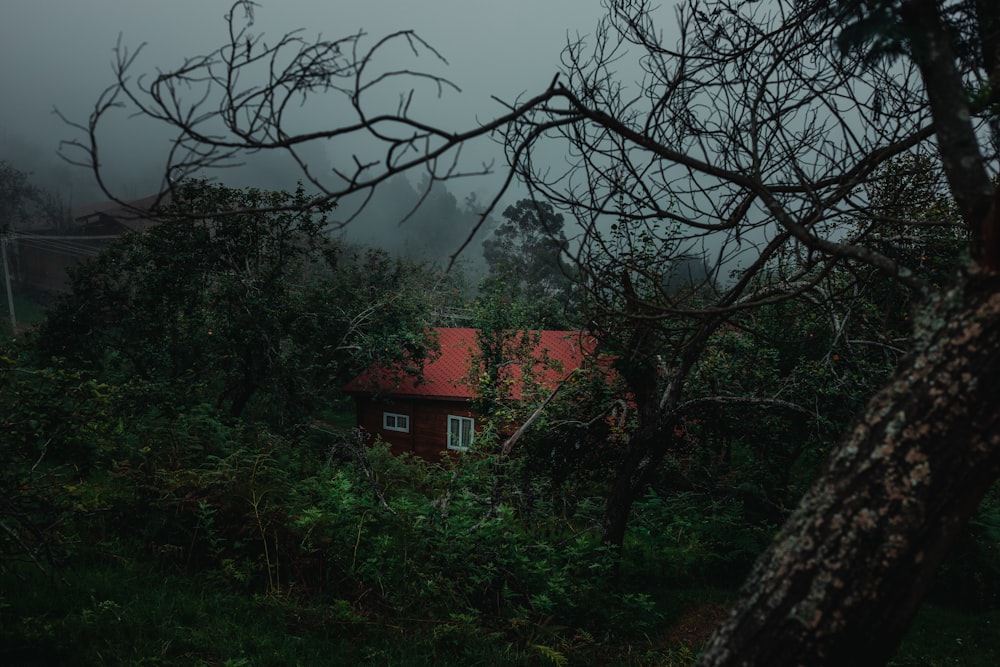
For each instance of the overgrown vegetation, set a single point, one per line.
(178, 485)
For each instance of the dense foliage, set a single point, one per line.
(152, 513)
(259, 314)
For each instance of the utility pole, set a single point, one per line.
(6, 275)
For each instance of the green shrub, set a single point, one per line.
(689, 538)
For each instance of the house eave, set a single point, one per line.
(392, 395)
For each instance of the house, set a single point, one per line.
(43, 253)
(110, 218)
(431, 412)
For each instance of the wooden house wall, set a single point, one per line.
(43, 268)
(42, 264)
(428, 435)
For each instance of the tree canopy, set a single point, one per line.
(22, 202)
(526, 256)
(228, 308)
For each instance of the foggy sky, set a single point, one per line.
(58, 53)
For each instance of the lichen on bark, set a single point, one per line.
(892, 498)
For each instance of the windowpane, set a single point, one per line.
(395, 422)
(460, 432)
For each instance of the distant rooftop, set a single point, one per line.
(133, 215)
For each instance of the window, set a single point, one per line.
(393, 422)
(460, 432)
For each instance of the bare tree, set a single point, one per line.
(750, 143)
(754, 138)
(244, 98)
(757, 133)
(744, 146)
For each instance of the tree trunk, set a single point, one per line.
(631, 475)
(844, 578)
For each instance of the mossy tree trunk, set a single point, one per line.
(844, 578)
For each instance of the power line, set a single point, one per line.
(73, 246)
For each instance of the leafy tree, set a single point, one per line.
(226, 308)
(439, 225)
(361, 307)
(21, 201)
(913, 219)
(195, 302)
(525, 255)
(504, 364)
(832, 346)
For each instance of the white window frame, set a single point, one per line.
(456, 431)
(395, 418)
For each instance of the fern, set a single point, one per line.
(553, 655)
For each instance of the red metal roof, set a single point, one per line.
(446, 376)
